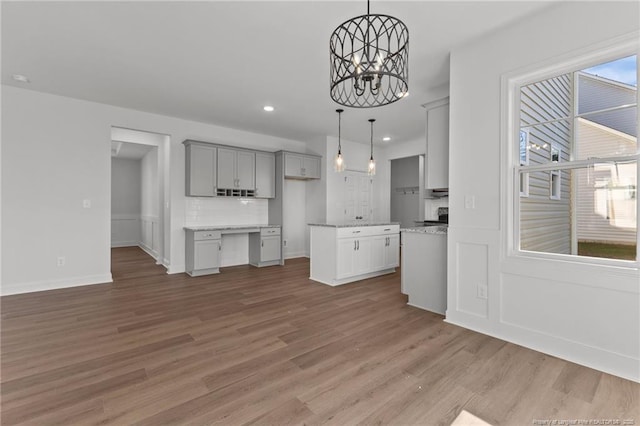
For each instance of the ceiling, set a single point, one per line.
(221, 62)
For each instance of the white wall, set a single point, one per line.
(126, 186)
(126, 197)
(151, 233)
(56, 153)
(587, 314)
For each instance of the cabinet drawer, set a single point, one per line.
(206, 235)
(269, 231)
(352, 232)
(384, 230)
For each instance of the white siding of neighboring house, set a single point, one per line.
(596, 93)
(603, 214)
(544, 222)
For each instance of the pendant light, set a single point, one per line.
(369, 61)
(338, 164)
(372, 163)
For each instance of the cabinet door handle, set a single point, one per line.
(262, 243)
(387, 229)
(354, 244)
(219, 246)
(358, 244)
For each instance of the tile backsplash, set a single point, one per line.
(226, 211)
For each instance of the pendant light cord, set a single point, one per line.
(339, 126)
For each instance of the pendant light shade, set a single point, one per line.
(372, 163)
(338, 164)
(369, 61)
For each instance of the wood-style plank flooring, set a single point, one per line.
(269, 347)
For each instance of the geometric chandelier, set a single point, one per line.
(369, 61)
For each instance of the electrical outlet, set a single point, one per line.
(61, 261)
(482, 291)
(470, 202)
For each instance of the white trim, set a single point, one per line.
(296, 254)
(589, 356)
(118, 244)
(511, 83)
(44, 285)
(149, 251)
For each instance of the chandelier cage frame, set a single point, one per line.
(369, 61)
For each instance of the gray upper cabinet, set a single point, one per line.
(301, 166)
(437, 175)
(236, 169)
(201, 165)
(265, 175)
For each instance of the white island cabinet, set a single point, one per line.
(424, 267)
(343, 253)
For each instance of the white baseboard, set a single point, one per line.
(175, 269)
(148, 250)
(33, 286)
(589, 356)
(295, 255)
(118, 244)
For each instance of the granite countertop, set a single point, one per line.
(352, 224)
(226, 227)
(437, 229)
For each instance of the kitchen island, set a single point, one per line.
(344, 252)
(424, 267)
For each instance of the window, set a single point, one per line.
(577, 171)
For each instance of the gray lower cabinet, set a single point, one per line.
(265, 247)
(202, 252)
(201, 173)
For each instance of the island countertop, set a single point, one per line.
(352, 224)
(437, 229)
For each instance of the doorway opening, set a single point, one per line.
(138, 184)
(407, 191)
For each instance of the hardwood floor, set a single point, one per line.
(269, 347)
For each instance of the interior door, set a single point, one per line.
(358, 193)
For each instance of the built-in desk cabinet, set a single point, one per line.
(201, 164)
(202, 252)
(265, 247)
(301, 166)
(203, 247)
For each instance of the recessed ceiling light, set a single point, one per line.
(386, 139)
(20, 78)
(268, 108)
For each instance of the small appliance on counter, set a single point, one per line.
(443, 218)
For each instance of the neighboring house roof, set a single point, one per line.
(598, 93)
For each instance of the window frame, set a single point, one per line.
(511, 84)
